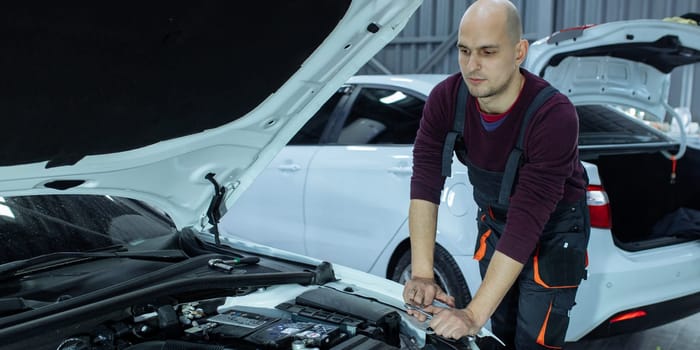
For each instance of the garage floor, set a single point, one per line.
(680, 335)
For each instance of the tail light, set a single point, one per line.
(599, 207)
(629, 316)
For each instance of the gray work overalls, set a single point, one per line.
(535, 312)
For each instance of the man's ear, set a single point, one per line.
(521, 51)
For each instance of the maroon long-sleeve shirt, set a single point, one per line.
(551, 172)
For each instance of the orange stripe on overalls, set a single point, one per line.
(482, 246)
(540, 336)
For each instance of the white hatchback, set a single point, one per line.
(340, 189)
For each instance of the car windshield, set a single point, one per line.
(603, 125)
(31, 226)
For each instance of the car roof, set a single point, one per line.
(420, 83)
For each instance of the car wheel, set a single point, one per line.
(447, 275)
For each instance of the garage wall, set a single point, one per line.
(427, 44)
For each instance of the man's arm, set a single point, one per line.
(426, 186)
(456, 323)
(500, 276)
(422, 225)
(421, 289)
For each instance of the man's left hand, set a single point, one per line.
(454, 323)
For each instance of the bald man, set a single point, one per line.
(533, 224)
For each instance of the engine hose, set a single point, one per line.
(173, 345)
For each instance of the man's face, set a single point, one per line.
(488, 58)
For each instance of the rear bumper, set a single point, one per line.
(662, 282)
(654, 315)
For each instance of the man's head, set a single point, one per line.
(491, 50)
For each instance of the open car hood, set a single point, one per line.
(145, 100)
(626, 63)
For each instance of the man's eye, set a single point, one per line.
(489, 52)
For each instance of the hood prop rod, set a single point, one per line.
(214, 212)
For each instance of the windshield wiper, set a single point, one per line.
(10, 269)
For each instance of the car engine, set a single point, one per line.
(320, 318)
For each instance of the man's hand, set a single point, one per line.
(456, 323)
(421, 292)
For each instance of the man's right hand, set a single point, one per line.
(421, 292)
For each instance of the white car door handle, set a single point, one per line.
(401, 170)
(289, 167)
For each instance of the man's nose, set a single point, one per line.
(473, 64)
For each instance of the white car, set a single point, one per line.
(340, 189)
(126, 132)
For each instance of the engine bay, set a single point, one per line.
(318, 318)
(195, 295)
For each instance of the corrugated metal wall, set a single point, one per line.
(575, 12)
(427, 44)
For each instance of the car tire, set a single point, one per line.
(447, 275)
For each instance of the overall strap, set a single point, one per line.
(515, 158)
(457, 130)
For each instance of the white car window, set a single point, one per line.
(382, 116)
(312, 132)
(601, 125)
